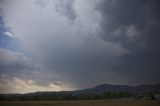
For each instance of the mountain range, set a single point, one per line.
(120, 88)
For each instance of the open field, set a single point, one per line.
(83, 103)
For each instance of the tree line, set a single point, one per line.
(56, 96)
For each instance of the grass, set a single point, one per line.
(83, 103)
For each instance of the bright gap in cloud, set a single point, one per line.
(18, 85)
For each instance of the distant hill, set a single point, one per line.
(121, 88)
(108, 87)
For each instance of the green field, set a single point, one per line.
(83, 103)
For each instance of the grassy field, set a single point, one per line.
(83, 103)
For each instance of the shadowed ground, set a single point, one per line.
(83, 103)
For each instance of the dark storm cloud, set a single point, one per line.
(64, 7)
(135, 25)
(104, 41)
(67, 48)
(84, 66)
(14, 63)
(141, 18)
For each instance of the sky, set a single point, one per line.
(61, 45)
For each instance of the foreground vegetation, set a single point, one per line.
(83, 103)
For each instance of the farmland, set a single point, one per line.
(83, 103)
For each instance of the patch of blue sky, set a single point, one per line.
(8, 42)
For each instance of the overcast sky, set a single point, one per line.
(54, 45)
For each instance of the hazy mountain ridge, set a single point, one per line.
(121, 88)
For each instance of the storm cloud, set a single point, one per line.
(135, 26)
(85, 42)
